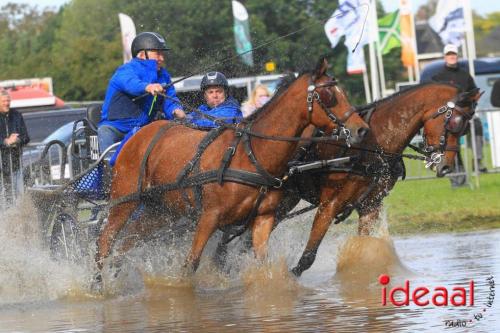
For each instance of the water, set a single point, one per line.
(340, 293)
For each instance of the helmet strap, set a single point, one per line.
(146, 54)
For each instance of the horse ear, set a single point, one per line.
(321, 68)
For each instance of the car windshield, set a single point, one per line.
(63, 134)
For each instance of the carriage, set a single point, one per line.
(70, 213)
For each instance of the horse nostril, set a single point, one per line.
(363, 131)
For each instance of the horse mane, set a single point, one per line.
(285, 82)
(411, 89)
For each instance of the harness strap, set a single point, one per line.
(231, 175)
(261, 170)
(202, 146)
(151, 145)
(228, 155)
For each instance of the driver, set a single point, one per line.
(123, 113)
(218, 103)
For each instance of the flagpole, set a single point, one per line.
(381, 67)
(470, 40)
(366, 83)
(410, 73)
(373, 61)
(414, 44)
(380, 60)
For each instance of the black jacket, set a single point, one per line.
(455, 76)
(12, 122)
(495, 94)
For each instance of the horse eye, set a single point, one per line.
(332, 100)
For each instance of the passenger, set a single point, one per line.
(123, 113)
(258, 97)
(218, 103)
(13, 136)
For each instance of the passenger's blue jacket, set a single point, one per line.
(229, 111)
(128, 81)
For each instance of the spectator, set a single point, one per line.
(451, 73)
(218, 103)
(13, 136)
(495, 94)
(258, 97)
(122, 113)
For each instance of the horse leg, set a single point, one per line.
(261, 229)
(205, 228)
(333, 199)
(139, 230)
(322, 220)
(367, 221)
(118, 216)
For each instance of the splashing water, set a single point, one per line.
(27, 272)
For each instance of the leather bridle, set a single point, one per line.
(313, 95)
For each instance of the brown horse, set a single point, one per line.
(169, 153)
(394, 121)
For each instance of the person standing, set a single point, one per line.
(125, 109)
(495, 94)
(259, 96)
(453, 74)
(13, 136)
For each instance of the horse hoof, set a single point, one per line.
(296, 271)
(96, 286)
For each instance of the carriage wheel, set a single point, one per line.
(65, 239)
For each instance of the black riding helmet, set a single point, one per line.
(146, 41)
(214, 79)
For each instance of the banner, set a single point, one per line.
(350, 20)
(407, 34)
(127, 27)
(389, 32)
(449, 22)
(242, 33)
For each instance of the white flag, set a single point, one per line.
(449, 22)
(349, 20)
(127, 27)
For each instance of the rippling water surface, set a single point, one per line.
(340, 293)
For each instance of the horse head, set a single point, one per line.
(328, 107)
(444, 127)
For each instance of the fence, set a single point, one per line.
(43, 165)
(469, 153)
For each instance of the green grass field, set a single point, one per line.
(419, 206)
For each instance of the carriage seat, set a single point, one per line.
(94, 115)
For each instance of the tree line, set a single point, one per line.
(79, 45)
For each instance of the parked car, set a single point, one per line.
(47, 162)
(41, 123)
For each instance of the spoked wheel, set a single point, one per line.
(65, 240)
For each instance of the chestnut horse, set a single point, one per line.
(168, 153)
(393, 121)
(439, 108)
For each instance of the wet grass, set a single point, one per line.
(434, 206)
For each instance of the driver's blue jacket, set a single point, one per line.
(228, 112)
(129, 81)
